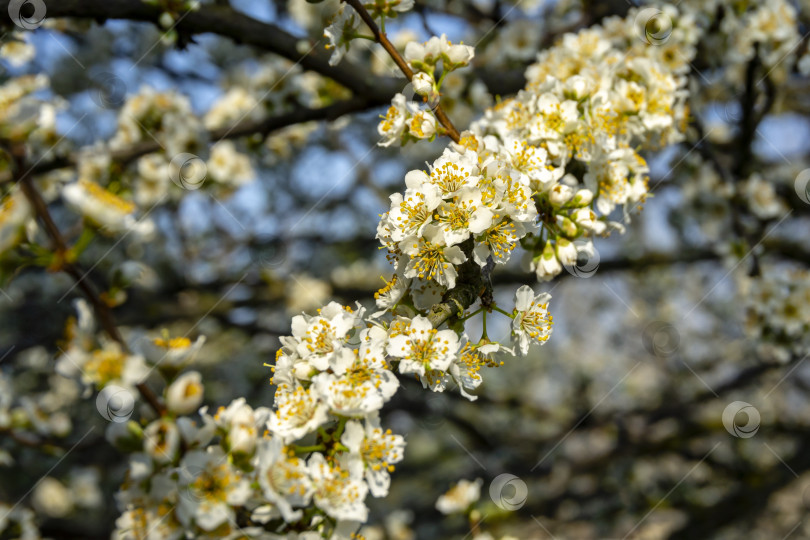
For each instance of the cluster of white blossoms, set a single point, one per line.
(778, 314)
(309, 462)
(96, 362)
(345, 24)
(407, 121)
(18, 521)
(590, 103)
(337, 371)
(768, 30)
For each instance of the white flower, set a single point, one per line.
(52, 498)
(451, 172)
(299, 411)
(339, 33)
(546, 266)
(421, 348)
(185, 394)
(15, 213)
(339, 489)
(429, 52)
(465, 370)
(410, 214)
(361, 389)
(438, 48)
(242, 424)
(402, 5)
(498, 242)
(566, 252)
(586, 218)
(394, 122)
(459, 497)
(209, 489)
(228, 166)
(377, 450)
(172, 352)
(532, 320)
(161, 441)
(762, 198)
(106, 210)
(284, 478)
(231, 108)
(458, 55)
(390, 294)
(431, 260)
(560, 194)
(466, 215)
(108, 365)
(17, 50)
(422, 83)
(422, 125)
(322, 339)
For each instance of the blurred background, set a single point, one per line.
(698, 314)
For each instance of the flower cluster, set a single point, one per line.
(778, 313)
(407, 121)
(590, 100)
(306, 464)
(97, 362)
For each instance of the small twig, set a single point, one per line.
(103, 312)
(382, 39)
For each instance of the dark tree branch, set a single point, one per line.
(62, 262)
(241, 129)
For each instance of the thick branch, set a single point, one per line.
(244, 128)
(227, 22)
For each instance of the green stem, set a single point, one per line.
(441, 79)
(484, 332)
(339, 430)
(499, 310)
(356, 35)
(308, 449)
(471, 315)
